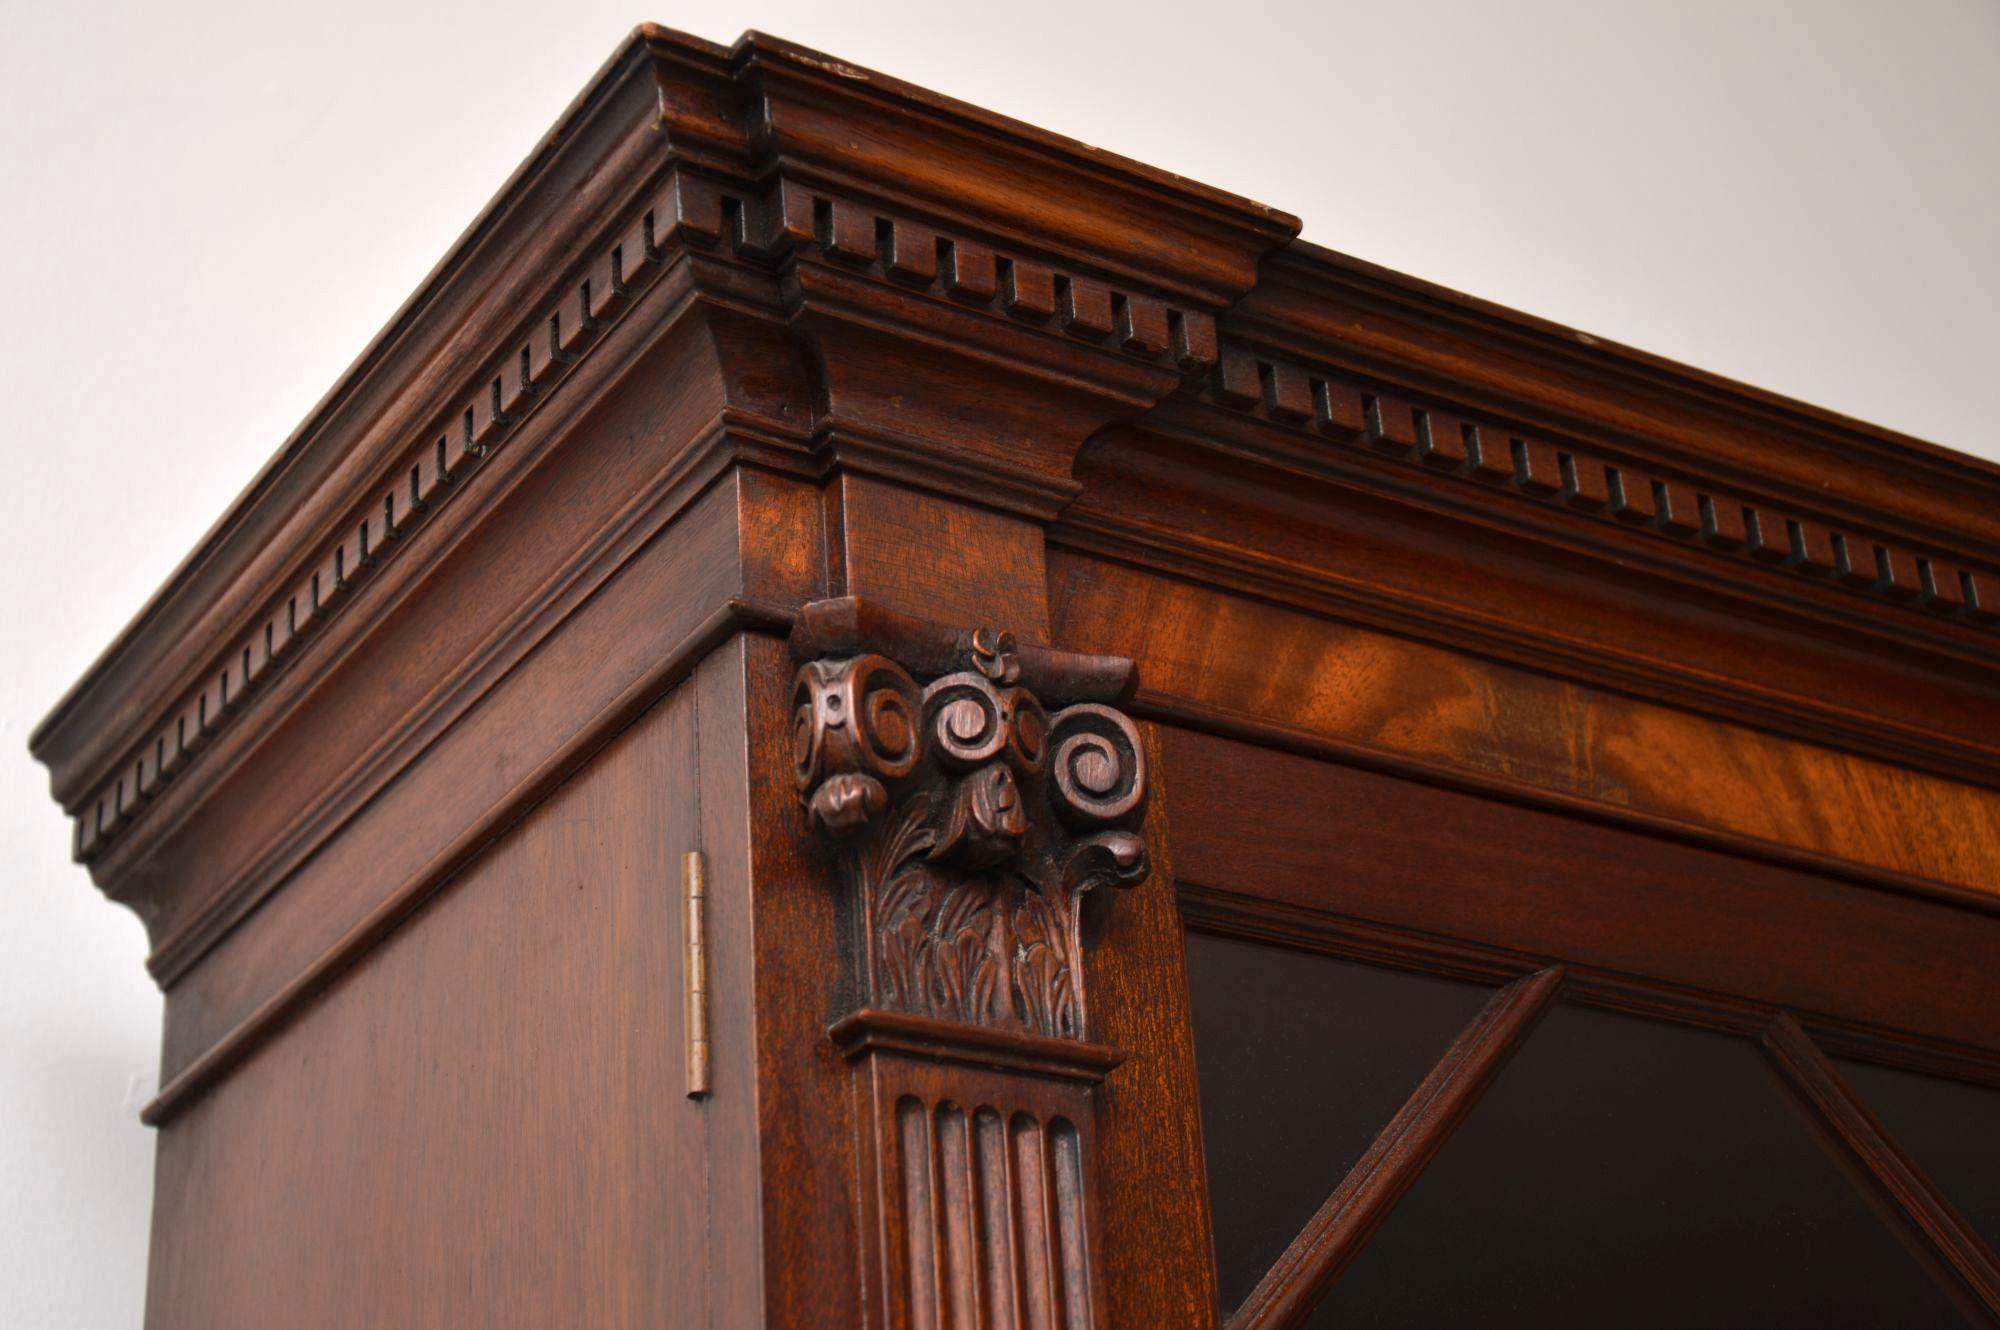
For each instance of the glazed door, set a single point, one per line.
(1463, 1062)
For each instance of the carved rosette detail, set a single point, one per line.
(972, 822)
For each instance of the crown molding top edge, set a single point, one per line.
(1313, 303)
(766, 158)
(665, 103)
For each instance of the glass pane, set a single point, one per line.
(1303, 1059)
(1625, 1172)
(1951, 1130)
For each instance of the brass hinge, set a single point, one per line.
(694, 967)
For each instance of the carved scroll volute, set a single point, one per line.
(1099, 783)
(855, 730)
(971, 818)
(973, 791)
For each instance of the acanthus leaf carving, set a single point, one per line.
(970, 820)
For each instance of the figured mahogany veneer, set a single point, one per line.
(677, 794)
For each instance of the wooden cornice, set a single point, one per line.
(784, 180)
(419, 356)
(1528, 409)
(1460, 343)
(1381, 450)
(813, 212)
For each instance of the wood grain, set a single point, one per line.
(1343, 841)
(475, 765)
(1159, 1265)
(1685, 690)
(482, 1124)
(1508, 729)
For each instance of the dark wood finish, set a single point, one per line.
(1916, 1201)
(975, 815)
(1382, 701)
(976, 1173)
(781, 435)
(1674, 1184)
(1943, 1125)
(1439, 862)
(1357, 1207)
(1159, 1259)
(329, 1162)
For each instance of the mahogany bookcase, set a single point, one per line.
(860, 715)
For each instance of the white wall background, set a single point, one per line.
(209, 208)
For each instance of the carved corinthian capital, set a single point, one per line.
(975, 791)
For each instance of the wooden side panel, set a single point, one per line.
(612, 644)
(483, 1124)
